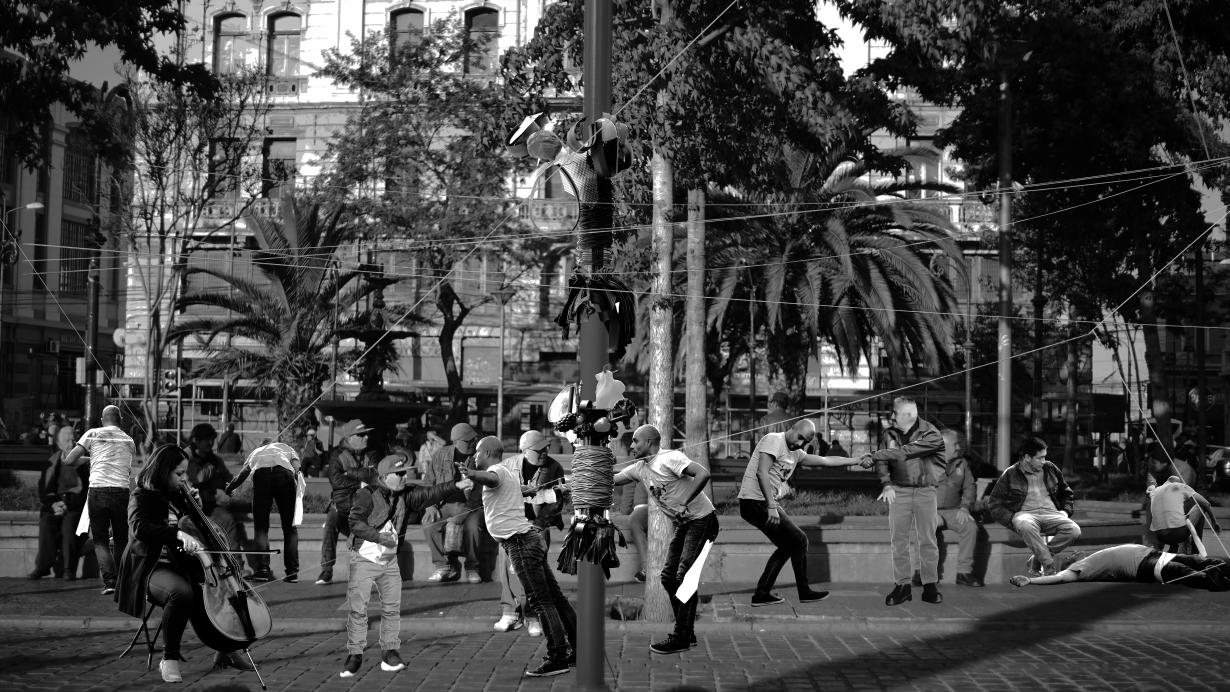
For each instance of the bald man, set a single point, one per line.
(504, 509)
(676, 487)
(111, 454)
(764, 482)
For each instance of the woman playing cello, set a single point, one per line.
(153, 567)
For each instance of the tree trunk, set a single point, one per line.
(1159, 402)
(696, 426)
(452, 314)
(1069, 417)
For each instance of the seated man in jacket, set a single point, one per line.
(1032, 498)
(378, 518)
(457, 508)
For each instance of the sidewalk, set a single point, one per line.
(852, 608)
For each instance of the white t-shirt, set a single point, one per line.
(664, 479)
(784, 461)
(111, 453)
(503, 505)
(1166, 505)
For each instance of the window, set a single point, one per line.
(482, 34)
(74, 258)
(230, 43)
(283, 56)
(278, 169)
(225, 160)
(79, 168)
(407, 27)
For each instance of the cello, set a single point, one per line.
(229, 615)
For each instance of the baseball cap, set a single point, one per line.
(203, 431)
(533, 440)
(355, 427)
(393, 463)
(462, 432)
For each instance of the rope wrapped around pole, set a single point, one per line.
(593, 470)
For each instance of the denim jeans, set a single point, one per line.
(914, 512)
(475, 541)
(275, 485)
(108, 508)
(1032, 527)
(513, 600)
(50, 539)
(791, 545)
(559, 620)
(337, 521)
(387, 578)
(170, 590)
(684, 548)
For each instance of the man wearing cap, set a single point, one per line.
(347, 468)
(544, 508)
(776, 420)
(378, 518)
(207, 473)
(456, 508)
(275, 474)
(504, 507)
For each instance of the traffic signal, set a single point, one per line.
(170, 380)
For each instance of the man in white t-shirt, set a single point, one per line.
(111, 453)
(1177, 514)
(676, 487)
(764, 482)
(504, 511)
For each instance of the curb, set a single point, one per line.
(819, 624)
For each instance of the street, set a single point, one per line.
(724, 661)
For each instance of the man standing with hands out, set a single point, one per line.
(910, 469)
(676, 485)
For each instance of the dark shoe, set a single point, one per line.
(639, 576)
(108, 590)
(548, 668)
(324, 579)
(692, 640)
(766, 599)
(916, 580)
(353, 661)
(234, 659)
(810, 596)
(900, 594)
(290, 579)
(932, 594)
(391, 661)
(35, 575)
(673, 644)
(969, 580)
(262, 576)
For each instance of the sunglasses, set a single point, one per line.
(400, 473)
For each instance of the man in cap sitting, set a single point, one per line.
(207, 472)
(378, 518)
(445, 466)
(347, 468)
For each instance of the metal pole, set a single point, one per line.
(91, 342)
(1003, 441)
(1201, 383)
(969, 354)
(499, 392)
(591, 582)
(1039, 302)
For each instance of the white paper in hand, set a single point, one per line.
(691, 580)
(377, 553)
(300, 491)
(83, 524)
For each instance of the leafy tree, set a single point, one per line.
(39, 41)
(424, 158)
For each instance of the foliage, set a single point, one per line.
(41, 39)
(423, 157)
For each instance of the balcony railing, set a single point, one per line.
(225, 210)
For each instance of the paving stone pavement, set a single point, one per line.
(1035, 660)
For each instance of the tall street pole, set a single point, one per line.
(91, 342)
(1003, 437)
(503, 294)
(592, 354)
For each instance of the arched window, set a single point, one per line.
(283, 56)
(483, 34)
(230, 43)
(406, 27)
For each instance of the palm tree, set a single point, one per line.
(281, 329)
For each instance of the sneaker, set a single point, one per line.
(810, 596)
(969, 580)
(509, 622)
(169, 668)
(1033, 568)
(766, 599)
(323, 581)
(36, 575)
(444, 575)
(673, 644)
(391, 661)
(353, 661)
(262, 576)
(108, 590)
(548, 668)
(931, 594)
(639, 576)
(290, 579)
(533, 627)
(473, 577)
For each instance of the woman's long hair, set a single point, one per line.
(161, 466)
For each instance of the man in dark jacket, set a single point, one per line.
(909, 470)
(207, 472)
(1032, 498)
(456, 508)
(378, 518)
(347, 470)
(955, 498)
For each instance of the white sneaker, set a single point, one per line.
(473, 577)
(170, 670)
(533, 627)
(509, 622)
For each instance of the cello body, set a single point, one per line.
(228, 615)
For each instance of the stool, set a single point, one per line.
(151, 643)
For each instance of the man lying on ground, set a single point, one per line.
(1140, 563)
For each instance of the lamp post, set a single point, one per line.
(503, 294)
(8, 255)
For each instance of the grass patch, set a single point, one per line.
(846, 503)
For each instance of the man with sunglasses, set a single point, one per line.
(456, 507)
(347, 468)
(764, 481)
